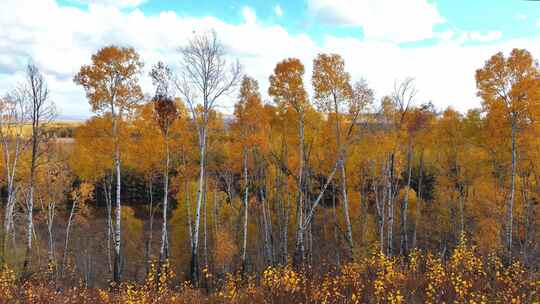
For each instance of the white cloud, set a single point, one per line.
(444, 72)
(487, 37)
(250, 17)
(521, 17)
(384, 20)
(278, 10)
(459, 37)
(115, 3)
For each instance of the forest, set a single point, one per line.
(319, 195)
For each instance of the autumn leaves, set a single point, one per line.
(396, 176)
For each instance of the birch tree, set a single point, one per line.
(13, 114)
(205, 77)
(41, 111)
(332, 90)
(401, 99)
(165, 114)
(79, 195)
(111, 84)
(287, 89)
(247, 127)
(91, 161)
(510, 86)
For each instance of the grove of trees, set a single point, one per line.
(162, 188)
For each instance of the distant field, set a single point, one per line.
(62, 129)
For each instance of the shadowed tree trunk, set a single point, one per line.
(404, 248)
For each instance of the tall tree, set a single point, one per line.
(511, 86)
(165, 114)
(401, 99)
(205, 76)
(247, 127)
(13, 113)
(112, 86)
(41, 112)
(332, 91)
(287, 89)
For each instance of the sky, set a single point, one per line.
(439, 43)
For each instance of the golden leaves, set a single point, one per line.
(111, 81)
(331, 82)
(287, 85)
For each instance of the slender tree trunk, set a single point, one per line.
(68, 231)
(267, 233)
(350, 241)
(118, 210)
(50, 246)
(30, 202)
(216, 211)
(286, 230)
(461, 211)
(309, 233)
(188, 211)
(380, 204)
(278, 197)
(362, 202)
(390, 198)
(419, 200)
(245, 227)
(525, 198)
(164, 248)
(29, 232)
(342, 157)
(8, 216)
(150, 232)
(299, 254)
(10, 167)
(336, 232)
(202, 174)
(107, 186)
(404, 249)
(285, 207)
(512, 193)
(205, 219)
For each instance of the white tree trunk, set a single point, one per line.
(267, 231)
(350, 241)
(108, 201)
(512, 193)
(68, 231)
(300, 249)
(118, 209)
(164, 237)
(245, 228)
(194, 249)
(164, 248)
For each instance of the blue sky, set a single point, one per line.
(439, 43)
(513, 18)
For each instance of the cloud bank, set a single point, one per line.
(61, 38)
